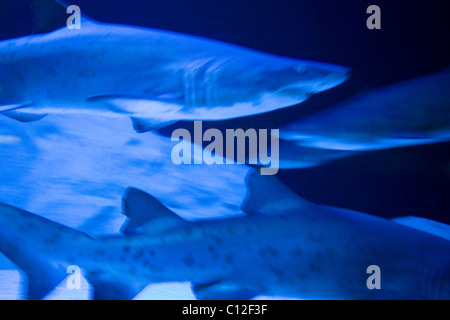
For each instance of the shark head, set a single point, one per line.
(313, 77)
(332, 135)
(265, 82)
(412, 112)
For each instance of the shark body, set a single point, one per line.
(409, 113)
(283, 246)
(155, 77)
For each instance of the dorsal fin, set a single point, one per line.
(268, 195)
(51, 15)
(430, 226)
(146, 214)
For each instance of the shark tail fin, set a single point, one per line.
(33, 244)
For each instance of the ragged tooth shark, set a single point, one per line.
(155, 77)
(294, 156)
(284, 246)
(412, 112)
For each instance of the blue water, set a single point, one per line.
(68, 169)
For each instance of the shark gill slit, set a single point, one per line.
(196, 80)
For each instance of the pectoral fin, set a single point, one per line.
(148, 112)
(23, 116)
(42, 278)
(142, 125)
(19, 111)
(138, 103)
(224, 290)
(14, 106)
(114, 290)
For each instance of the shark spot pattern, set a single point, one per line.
(268, 252)
(297, 252)
(138, 254)
(281, 276)
(188, 260)
(229, 258)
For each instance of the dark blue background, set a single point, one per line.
(413, 41)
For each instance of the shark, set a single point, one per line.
(292, 155)
(283, 245)
(409, 113)
(154, 77)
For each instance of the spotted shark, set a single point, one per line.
(155, 77)
(409, 113)
(284, 245)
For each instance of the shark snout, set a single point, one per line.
(334, 78)
(323, 76)
(300, 130)
(303, 79)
